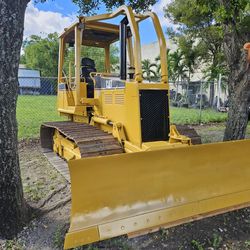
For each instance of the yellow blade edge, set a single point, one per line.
(127, 193)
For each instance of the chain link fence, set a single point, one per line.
(192, 103)
(200, 94)
(204, 96)
(36, 104)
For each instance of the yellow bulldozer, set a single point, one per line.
(131, 171)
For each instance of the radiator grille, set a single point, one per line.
(108, 99)
(154, 115)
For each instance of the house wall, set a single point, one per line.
(29, 81)
(152, 50)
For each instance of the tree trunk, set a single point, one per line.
(239, 84)
(238, 114)
(13, 209)
(211, 95)
(177, 89)
(187, 90)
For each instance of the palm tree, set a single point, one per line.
(158, 63)
(178, 69)
(148, 71)
(190, 55)
(158, 66)
(211, 74)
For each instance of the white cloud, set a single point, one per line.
(158, 8)
(39, 22)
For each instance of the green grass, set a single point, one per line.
(32, 111)
(192, 116)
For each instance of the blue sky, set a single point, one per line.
(65, 7)
(54, 15)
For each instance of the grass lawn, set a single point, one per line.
(192, 116)
(34, 110)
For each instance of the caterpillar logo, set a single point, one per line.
(108, 84)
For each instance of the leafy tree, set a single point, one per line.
(158, 63)
(208, 47)
(158, 66)
(22, 59)
(190, 55)
(42, 54)
(14, 209)
(230, 20)
(89, 7)
(114, 57)
(148, 71)
(214, 68)
(178, 68)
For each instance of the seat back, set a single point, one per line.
(88, 66)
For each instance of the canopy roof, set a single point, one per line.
(97, 34)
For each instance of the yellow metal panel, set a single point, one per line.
(158, 86)
(162, 45)
(158, 145)
(107, 58)
(110, 109)
(78, 36)
(130, 52)
(171, 216)
(119, 99)
(102, 26)
(60, 58)
(122, 106)
(132, 121)
(136, 191)
(81, 238)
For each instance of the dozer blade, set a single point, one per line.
(138, 192)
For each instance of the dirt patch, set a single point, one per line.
(45, 188)
(214, 132)
(39, 178)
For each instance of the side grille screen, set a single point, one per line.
(154, 115)
(108, 99)
(119, 99)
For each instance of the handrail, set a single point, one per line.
(133, 20)
(127, 10)
(162, 44)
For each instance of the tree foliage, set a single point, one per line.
(208, 22)
(42, 54)
(90, 6)
(11, 33)
(149, 70)
(205, 37)
(190, 53)
(177, 66)
(222, 26)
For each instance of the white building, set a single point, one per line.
(29, 80)
(152, 50)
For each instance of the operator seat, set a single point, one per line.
(88, 66)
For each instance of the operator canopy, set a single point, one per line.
(96, 34)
